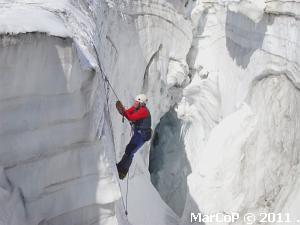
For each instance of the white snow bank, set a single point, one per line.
(250, 161)
(22, 18)
(219, 162)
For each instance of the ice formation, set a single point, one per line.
(228, 70)
(241, 110)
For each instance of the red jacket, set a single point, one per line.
(133, 115)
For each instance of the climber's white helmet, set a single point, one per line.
(141, 98)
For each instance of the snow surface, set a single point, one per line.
(229, 68)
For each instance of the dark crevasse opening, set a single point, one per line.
(168, 164)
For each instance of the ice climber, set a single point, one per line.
(140, 120)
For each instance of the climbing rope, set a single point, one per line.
(125, 206)
(106, 78)
(103, 73)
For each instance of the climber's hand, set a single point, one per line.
(120, 107)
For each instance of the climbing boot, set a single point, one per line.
(121, 171)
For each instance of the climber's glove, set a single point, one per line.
(120, 107)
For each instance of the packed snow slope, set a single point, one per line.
(230, 69)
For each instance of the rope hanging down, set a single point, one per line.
(107, 99)
(106, 79)
(126, 208)
(103, 73)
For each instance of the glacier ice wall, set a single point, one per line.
(241, 107)
(60, 134)
(48, 147)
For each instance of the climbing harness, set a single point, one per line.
(125, 206)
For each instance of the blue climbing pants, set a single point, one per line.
(136, 141)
